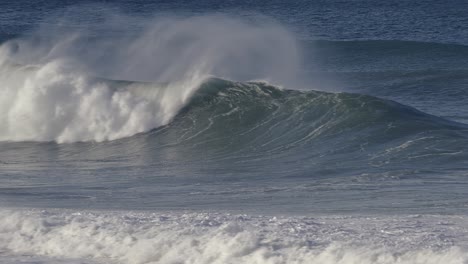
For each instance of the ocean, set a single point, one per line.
(323, 132)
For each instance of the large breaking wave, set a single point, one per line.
(54, 87)
(171, 76)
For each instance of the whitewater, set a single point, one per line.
(136, 237)
(232, 133)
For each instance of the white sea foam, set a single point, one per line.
(125, 237)
(50, 90)
(53, 103)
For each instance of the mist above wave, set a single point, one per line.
(52, 85)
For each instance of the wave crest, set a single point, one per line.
(53, 103)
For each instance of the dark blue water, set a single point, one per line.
(428, 21)
(188, 112)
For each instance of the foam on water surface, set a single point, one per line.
(145, 237)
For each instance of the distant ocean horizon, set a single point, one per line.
(234, 132)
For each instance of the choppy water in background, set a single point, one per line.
(234, 132)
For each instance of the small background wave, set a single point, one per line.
(419, 74)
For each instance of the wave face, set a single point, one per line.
(259, 122)
(268, 118)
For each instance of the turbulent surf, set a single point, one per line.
(131, 135)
